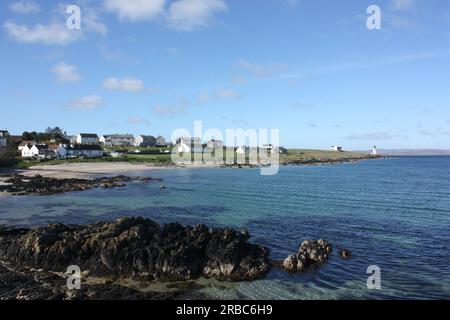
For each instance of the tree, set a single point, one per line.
(55, 134)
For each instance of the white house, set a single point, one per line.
(186, 144)
(336, 148)
(87, 138)
(145, 141)
(240, 150)
(215, 144)
(267, 146)
(37, 151)
(183, 147)
(23, 144)
(117, 140)
(80, 150)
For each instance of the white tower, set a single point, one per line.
(374, 151)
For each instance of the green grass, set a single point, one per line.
(319, 155)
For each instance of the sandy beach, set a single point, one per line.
(94, 170)
(87, 170)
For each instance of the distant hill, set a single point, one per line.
(414, 152)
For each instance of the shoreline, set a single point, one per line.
(92, 170)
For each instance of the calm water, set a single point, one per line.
(391, 213)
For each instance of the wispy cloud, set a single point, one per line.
(189, 15)
(136, 120)
(168, 111)
(432, 133)
(219, 94)
(65, 72)
(372, 63)
(301, 105)
(86, 103)
(372, 136)
(25, 7)
(402, 5)
(258, 70)
(128, 84)
(227, 94)
(114, 55)
(135, 10)
(54, 33)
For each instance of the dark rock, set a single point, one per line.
(27, 285)
(310, 253)
(38, 185)
(137, 247)
(344, 253)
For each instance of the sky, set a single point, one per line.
(310, 68)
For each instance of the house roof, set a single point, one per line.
(41, 146)
(87, 147)
(88, 135)
(27, 142)
(119, 136)
(4, 133)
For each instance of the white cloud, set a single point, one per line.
(86, 103)
(126, 85)
(188, 15)
(135, 10)
(66, 73)
(54, 33)
(25, 7)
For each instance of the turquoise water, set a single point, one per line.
(392, 213)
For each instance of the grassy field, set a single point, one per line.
(292, 156)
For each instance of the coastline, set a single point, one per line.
(91, 170)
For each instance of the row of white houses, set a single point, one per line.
(44, 151)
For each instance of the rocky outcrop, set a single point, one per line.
(310, 253)
(137, 247)
(39, 185)
(344, 253)
(41, 285)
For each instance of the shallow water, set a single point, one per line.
(392, 213)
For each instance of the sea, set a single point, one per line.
(392, 214)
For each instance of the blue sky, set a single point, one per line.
(309, 68)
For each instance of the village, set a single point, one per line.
(54, 147)
(91, 145)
